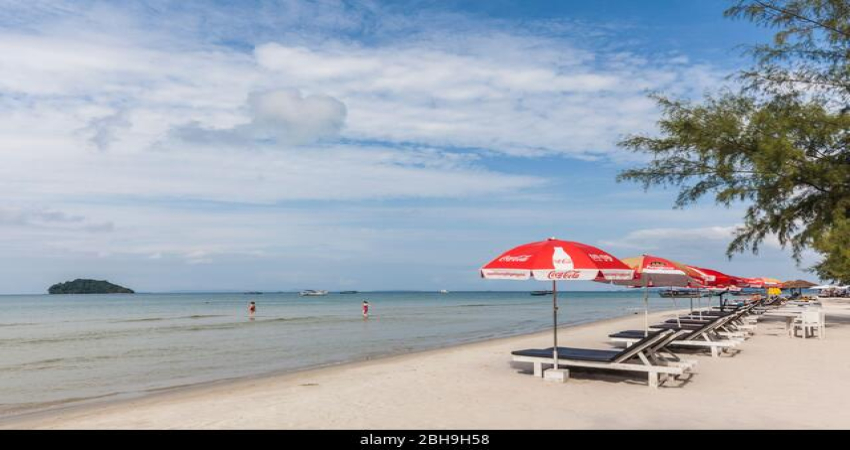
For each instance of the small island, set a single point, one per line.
(83, 286)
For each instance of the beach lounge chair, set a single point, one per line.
(740, 321)
(703, 337)
(720, 328)
(643, 356)
(732, 325)
(708, 315)
(762, 306)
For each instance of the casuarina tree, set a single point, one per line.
(779, 140)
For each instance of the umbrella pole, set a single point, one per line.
(676, 308)
(645, 309)
(699, 303)
(555, 322)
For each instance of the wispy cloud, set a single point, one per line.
(104, 130)
(276, 141)
(50, 219)
(497, 91)
(277, 118)
(655, 238)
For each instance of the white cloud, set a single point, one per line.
(503, 90)
(656, 238)
(262, 176)
(211, 121)
(711, 236)
(50, 219)
(498, 91)
(104, 130)
(277, 118)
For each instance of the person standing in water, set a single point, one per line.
(365, 309)
(252, 308)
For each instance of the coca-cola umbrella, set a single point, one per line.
(763, 283)
(717, 281)
(555, 260)
(654, 271)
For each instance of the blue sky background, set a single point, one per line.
(345, 145)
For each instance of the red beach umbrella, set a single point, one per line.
(555, 260)
(763, 282)
(717, 279)
(657, 271)
(654, 271)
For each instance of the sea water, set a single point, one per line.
(60, 349)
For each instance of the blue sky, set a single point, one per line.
(357, 145)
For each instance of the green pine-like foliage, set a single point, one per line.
(779, 142)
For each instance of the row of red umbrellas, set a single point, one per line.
(556, 260)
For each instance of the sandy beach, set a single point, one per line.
(775, 382)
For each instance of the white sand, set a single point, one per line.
(775, 382)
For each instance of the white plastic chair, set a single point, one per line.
(809, 322)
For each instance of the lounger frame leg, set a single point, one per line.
(538, 370)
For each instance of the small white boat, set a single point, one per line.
(443, 291)
(312, 293)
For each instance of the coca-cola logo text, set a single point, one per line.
(597, 257)
(563, 275)
(515, 258)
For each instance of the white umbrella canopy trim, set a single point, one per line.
(558, 275)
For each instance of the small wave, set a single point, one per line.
(157, 319)
(229, 325)
(55, 362)
(11, 409)
(72, 361)
(147, 319)
(19, 324)
(108, 334)
(290, 319)
(478, 305)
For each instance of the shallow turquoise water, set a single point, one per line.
(57, 348)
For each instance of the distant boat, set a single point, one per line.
(542, 292)
(744, 294)
(312, 293)
(253, 293)
(683, 293)
(443, 291)
(348, 292)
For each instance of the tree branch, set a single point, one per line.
(800, 17)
